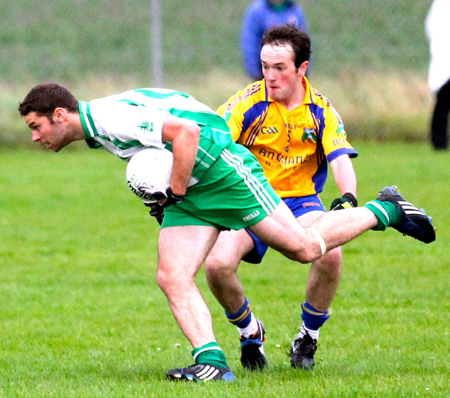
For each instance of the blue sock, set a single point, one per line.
(241, 318)
(312, 318)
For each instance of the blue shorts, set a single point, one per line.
(298, 206)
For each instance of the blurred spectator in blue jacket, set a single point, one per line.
(438, 32)
(260, 16)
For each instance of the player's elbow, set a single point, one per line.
(191, 133)
(179, 129)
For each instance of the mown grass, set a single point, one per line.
(398, 109)
(370, 59)
(81, 314)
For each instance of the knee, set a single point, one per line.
(304, 254)
(163, 279)
(171, 281)
(331, 260)
(217, 265)
(331, 263)
(307, 258)
(312, 248)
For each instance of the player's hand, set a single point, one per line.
(160, 202)
(347, 201)
(171, 198)
(156, 211)
(164, 199)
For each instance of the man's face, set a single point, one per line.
(52, 133)
(282, 77)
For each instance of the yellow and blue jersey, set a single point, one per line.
(293, 146)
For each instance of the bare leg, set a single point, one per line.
(221, 266)
(221, 270)
(325, 272)
(182, 250)
(223, 261)
(281, 231)
(324, 279)
(340, 227)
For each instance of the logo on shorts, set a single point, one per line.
(251, 215)
(310, 204)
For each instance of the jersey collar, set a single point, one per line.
(309, 99)
(86, 119)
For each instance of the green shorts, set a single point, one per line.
(233, 194)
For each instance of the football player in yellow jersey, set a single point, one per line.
(231, 192)
(294, 132)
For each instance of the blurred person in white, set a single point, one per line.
(437, 27)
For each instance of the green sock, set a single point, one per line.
(386, 212)
(211, 354)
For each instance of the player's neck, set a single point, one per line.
(295, 100)
(76, 127)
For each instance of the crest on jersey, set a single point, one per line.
(309, 135)
(146, 126)
(340, 130)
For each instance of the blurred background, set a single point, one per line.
(370, 58)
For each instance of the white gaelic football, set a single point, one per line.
(150, 168)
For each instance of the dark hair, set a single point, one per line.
(290, 34)
(45, 98)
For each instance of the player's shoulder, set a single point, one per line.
(246, 98)
(317, 98)
(257, 6)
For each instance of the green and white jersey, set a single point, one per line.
(125, 123)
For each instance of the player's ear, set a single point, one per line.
(59, 114)
(303, 68)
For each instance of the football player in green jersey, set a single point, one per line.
(231, 193)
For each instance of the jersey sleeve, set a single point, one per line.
(334, 136)
(127, 124)
(233, 116)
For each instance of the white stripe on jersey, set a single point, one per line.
(258, 190)
(86, 118)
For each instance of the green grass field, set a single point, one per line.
(81, 314)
